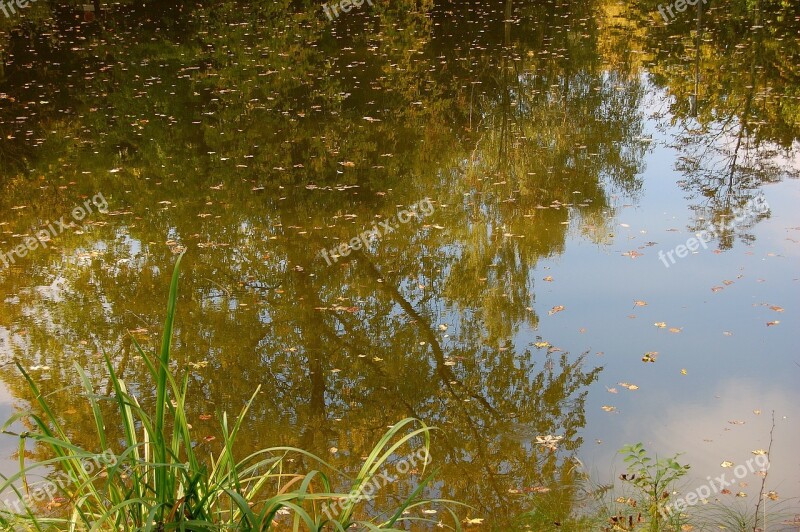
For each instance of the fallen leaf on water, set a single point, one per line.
(773, 495)
(650, 356)
(556, 309)
(741, 494)
(716, 288)
(756, 412)
(473, 520)
(683, 371)
(537, 489)
(736, 422)
(771, 323)
(726, 463)
(660, 324)
(541, 344)
(759, 452)
(631, 387)
(609, 408)
(776, 308)
(549, 279)
(611, 390)
(640, 303)
(205, 417)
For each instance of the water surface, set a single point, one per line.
(557, 147)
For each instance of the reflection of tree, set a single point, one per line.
(256, 135)
(733, 81)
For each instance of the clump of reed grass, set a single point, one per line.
(157, 481)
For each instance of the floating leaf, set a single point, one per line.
(650, 356)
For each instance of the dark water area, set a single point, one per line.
(530, 179)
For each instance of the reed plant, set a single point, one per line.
(157, 481)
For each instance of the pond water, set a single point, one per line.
(560, 158)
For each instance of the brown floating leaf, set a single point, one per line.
(556, 309)
(771, 323)
(639, 303)
(650, 356)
